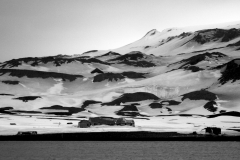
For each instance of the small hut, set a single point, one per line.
(130, 123)
(213, 130)
(123, 121)
(84, 124)
(102, 121)
(27, 133)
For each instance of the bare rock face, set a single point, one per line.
(27, 98)
(200, 95)
(210, 106)
(97, 71)
(117, 76)
(231, 71)
(208, 35)
(132, 97)
(39, 74)
(135, 58)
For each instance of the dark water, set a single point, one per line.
(119, 150)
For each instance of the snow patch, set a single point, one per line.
(216, 74)
(112, 69)
(128, 80)
(57, 88)
(85, 79)
(41, 68)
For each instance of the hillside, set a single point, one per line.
(180, 79)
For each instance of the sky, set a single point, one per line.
(36, 28)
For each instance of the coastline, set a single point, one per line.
(119, 136)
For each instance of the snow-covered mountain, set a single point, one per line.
(173, 41)
(184, 75)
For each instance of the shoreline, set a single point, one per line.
(119, 136)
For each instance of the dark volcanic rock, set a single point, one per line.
(84, 57)
(135, 58)
(151, 33)
(28, 112)
(108, 76)
(90, 51)
(27, 98)
(132, 97)
(97, 71)
(169, 109)
(210, 106)
(5, 110)
(11, 82)
(39, 74)
(92, 60)
(155, 105)
(205, 50)
(60, 113)
(170, 102)
(88, 102)
(3, 94)
(234, 44)
(204, 36)
(233, 113)
(109, 54)
(231, 34)
(181, 36)
(146, 47)
(117, 76)
(184, 34)
(222, 111)
(193, 68)
(133, 75)
(71, 110)
(55, 60)
(128, 110)
(231, 71)
(200, 95)
(189, 62)
(138, 63)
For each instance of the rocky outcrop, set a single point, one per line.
(155, 105)
(190, 62)
(55, 60)
(39, 74)
(97, 71)
(230, 71)
(11, 82)
(132, 97)
(69, 110)
(117, 76)
(200, 95)
(232, 113)
(205, 36)
(128, 110)
(210, 106)
(134, 58)
(27, 98)
(89, 102)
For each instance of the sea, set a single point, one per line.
(119, 150)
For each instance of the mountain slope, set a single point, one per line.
(165, 80)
